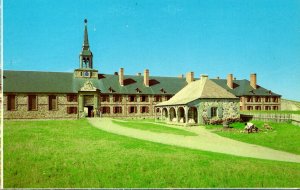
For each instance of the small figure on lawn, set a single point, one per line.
(250, 127)
(267, 126)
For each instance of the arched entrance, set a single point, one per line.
(173, 114)
(192, 115)
(181, 117)
(164, 114)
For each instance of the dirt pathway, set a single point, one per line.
(204, 141)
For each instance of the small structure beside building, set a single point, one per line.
(201, 101)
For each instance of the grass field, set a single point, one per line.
(158, 128)
(75, 154)
(284, 136)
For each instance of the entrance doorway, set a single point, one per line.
(89, 111)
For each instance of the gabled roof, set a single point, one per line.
(243, 88)
(59, 82)
(199, 89)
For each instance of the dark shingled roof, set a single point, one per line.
(62, 82)
(243, 88)
(59, 82)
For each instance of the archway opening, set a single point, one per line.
(192, 115)
(172, 114)
(181, 116)
(164, 114)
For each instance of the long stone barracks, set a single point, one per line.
(88, 93)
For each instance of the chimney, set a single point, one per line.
(189, 77)
(180, 76)
(138, 74)
(230, 81)
(121, 77)
(253, 80)
(203, 76)
(146, 77)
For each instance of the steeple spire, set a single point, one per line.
(86, 69)
(86, 45)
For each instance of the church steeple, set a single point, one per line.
(86, 56)
(86, 45)
(86, 69)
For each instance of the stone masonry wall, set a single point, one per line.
(230, 108)
(43, 111)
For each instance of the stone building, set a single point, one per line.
(86, 92)
(201, 101)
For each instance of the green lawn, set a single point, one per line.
(75, 154)
(158, 128)
(284, 136)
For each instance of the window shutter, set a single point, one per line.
(209, 112)
(141, 109)
(220, 112)
(135, 109)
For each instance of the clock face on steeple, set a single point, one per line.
(86, 74)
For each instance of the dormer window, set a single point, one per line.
(138, 90)
(111, 90)
(162, 90)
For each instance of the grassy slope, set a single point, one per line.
(158, 128)
(74, 154)
(290, 105)
(284, 136)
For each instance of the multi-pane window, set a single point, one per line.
(144, 98)
(168, 97)
(144, 109)
(213, 111)
(72, 110)
(275, 107)
(267, 99)
(257, 107)
(249, 99)
(118, 109)
(117, 98)
(105, 110)
(257, 99)
(52, 102)
(32, 102)
(267, 107)
(132, 98)
(275, 99)
(72, 97)
(157, 98)
(249, 107)
(132, 109)
(11, 102)
(157, 110)
(105, 98)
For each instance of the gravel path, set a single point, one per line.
(205, 140)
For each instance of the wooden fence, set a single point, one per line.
(275, 117)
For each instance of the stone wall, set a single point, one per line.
(43, 111)
(230, 109)
(125, 104)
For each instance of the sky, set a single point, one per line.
(213, 37)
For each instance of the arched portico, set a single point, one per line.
(172, 114)
(192, 115)
(164, 114)
(181, 115)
